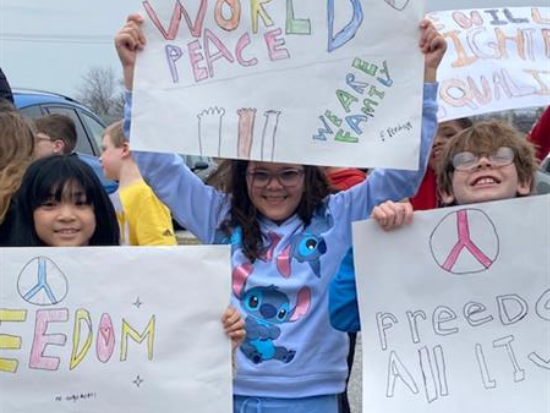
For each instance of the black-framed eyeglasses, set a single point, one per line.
(466, 161)
(260, 178)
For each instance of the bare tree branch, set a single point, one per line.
(102, 93)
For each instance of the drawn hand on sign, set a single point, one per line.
(210, 131)
(247, 118)
(212, 141)
(268, 135)
(42, 283)
(465, 242)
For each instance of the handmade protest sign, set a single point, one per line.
(327, 83)
(114, 329)
(455, 310)
(497, 59)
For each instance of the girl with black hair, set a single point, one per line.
(61, 203)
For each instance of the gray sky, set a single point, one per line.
(50, 44)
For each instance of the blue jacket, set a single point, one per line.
(342, 304)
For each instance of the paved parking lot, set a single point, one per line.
(354, 391)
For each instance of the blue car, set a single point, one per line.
(89, 127)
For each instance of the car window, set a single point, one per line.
(82, 143)
(32, 112)
(94, 126)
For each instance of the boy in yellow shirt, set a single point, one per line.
(143, 219)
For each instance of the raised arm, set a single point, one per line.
(390, 184)
(198, 207)
(128, 42)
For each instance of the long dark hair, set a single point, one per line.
(243, 213)
(49, 177)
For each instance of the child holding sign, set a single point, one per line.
(62, 203)
(288, 235)
(486, 162)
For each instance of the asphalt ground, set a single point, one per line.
(355, 382)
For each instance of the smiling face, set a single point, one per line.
(486, 181)
(275, 189)
(486, 162)
(67, 222)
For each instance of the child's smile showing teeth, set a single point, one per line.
(275, 189)
(485, 181)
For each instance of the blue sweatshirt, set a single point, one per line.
(291, 350)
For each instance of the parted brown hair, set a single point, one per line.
(16, 154)
(485, 138)
(58, 127)
(116, 133)
(243, 213)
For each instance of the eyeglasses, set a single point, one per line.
(286, 177)
(466, 161)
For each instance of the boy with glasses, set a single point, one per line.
(56, 135)
(487, 162)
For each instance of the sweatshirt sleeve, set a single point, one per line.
(358, 202)
(391, 184)
(196, 206)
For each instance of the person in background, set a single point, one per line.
(5, 88)
(16, 154)
(344, 178)
(56, 135)
(427, 197)
(142, 218)
(539, 135)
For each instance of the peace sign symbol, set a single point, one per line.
(42, 283)
(465, 242)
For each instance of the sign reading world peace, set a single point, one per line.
(497, 59)
(316, 82)
(455, 310)
(114, 329)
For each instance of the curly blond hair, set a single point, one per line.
(16, 153)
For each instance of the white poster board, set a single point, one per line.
(497, 59)
(455, 310)
(111, 330)
(327, 83)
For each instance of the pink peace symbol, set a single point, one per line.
(465, 242)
